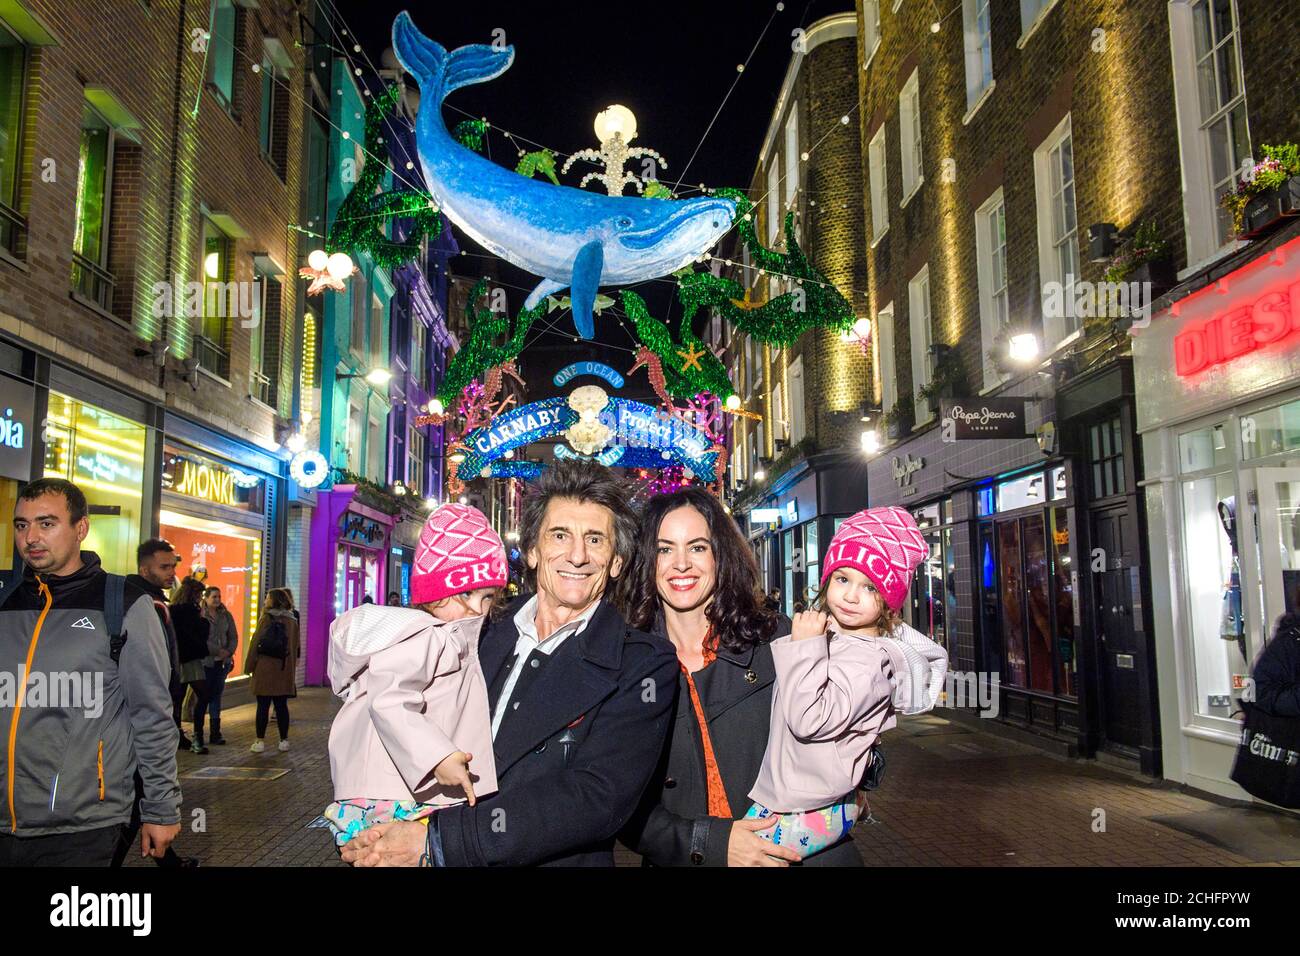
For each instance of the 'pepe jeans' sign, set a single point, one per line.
(17, 406)
(985, 418)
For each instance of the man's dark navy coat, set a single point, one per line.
(609, 693)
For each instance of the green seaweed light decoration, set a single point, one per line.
(482, 351)
(813, 303)
(360, 223)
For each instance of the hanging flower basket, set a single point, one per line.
(1268, 193)
(1145, 258)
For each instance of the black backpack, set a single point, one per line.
(275, 642)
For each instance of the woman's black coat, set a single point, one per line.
(672, 826)
(1277, 672)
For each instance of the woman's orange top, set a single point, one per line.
(717, 794)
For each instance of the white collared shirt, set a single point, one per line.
(526, 625)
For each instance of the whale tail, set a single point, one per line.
(439, 72)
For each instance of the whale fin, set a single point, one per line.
(587, 266)
(544, 288)
(439, 72)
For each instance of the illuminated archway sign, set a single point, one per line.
(567, 374)
(643, 439)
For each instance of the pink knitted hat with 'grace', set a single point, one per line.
(458, 552)
(885, 545)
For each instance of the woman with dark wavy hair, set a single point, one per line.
(695, 581)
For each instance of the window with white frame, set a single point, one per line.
(991, 259)
(978, 41)
(779, 422)
(1058, 232)
(797, 426)
(870, 29)
(909, 134)
(918, 317)
(352, 438)
(1030, 11)
(879, 184)
(886, 365)
(415, 461)
(791, 155)
(773, 202)
(375, 453)
(1213, 133)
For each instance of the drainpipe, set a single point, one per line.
(170, 275)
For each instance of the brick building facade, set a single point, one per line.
(149, 298)
(803, 454)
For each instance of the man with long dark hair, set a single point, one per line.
(580, 701)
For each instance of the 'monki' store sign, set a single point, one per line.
(1269, 314)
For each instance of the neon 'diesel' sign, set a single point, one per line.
(1244, 327)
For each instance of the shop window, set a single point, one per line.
(787, 578)
(1204, 448)
(984, 501)
(103, 455)
(933, 592)
(1021, 492)
(1067, 680)
(1106, 458)
(1215, 620)
(812, 561)
(1058, 229)
(1014, 670)
(1271, 431)
(220, 301)
(91, 280)
(13, 91)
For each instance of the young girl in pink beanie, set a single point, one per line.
(848, 667)
(414, 734)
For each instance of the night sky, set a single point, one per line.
(671, 63)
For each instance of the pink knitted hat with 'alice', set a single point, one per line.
(458, 552)
(885, 545)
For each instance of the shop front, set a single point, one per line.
(218, 518)
(351, 545)
(105, 453)
(401, 557)
(1218, 406)
(18, 406)
(792, 526)
(998, 587)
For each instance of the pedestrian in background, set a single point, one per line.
(394, 599)
(223, 640)
(272, 660)
(156, 562)
(192, 648)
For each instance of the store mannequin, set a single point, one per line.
(1232, 627)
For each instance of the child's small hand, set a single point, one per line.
(453, 771)
(808, 624)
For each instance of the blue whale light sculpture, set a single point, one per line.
(569, 237)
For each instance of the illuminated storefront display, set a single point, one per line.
(215, 515)
(1219, 409)
(103, 454)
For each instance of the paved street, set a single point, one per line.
(952, 796)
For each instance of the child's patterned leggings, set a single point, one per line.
(808, 831)
(347, 818)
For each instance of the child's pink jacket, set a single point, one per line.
(413, 694)
(834, 696)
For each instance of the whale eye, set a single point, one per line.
(624, 222)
